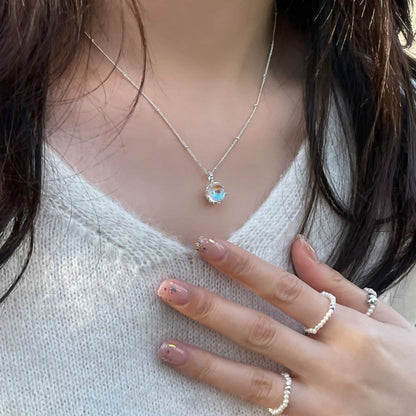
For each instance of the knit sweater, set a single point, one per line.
(79, 334)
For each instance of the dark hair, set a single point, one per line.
(353, 45)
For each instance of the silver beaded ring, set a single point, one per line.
(372, 300)
(325, 319)
(286, 396)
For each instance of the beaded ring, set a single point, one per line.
(286, 396)
(372, 300)
(325, 319)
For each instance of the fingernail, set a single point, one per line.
(210, 249)
(310, 251)
(175, 292)
(172, 354)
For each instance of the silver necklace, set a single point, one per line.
(215, 191)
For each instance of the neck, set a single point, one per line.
(213, 40)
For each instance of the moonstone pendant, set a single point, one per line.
(214, 192)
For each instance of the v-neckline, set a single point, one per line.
(75, 183)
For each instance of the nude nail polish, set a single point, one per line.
(210, 249)
(175, 292)
(310, 251)
(173, 354)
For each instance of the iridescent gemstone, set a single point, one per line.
(215, 193)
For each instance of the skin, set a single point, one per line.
(354, 366)
(207, 91)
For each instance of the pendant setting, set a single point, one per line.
(214, 192)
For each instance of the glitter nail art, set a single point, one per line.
(201, 243)
(210, 249)
(173, 354)
(174, 292)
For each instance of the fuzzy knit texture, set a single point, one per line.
(79, 334)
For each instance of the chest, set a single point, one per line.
(149, 172)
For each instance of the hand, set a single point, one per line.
(354, 366)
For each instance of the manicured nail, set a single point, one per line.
(175, 292)
(172, 354)
(210, 249)
(310, 251)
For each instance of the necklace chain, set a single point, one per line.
(209, 173)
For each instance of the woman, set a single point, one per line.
(300, 115)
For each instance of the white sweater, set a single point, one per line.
(79, 334)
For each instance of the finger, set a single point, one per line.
(322, 277)
(261, 387)
(246, 327)
(279, 287)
